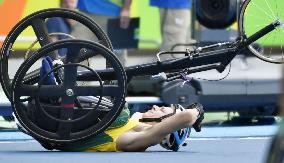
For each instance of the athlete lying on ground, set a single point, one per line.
(128, 134)
(169, 126)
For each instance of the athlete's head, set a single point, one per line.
(156, 112)
(176, 139)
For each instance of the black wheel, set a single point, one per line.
(216, 14)
(57, 113)
(36, 23)
(255, 15)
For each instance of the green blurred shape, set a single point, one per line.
(260, 13)
(149, 33)
(1, 1)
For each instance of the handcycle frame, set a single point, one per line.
(194, 61)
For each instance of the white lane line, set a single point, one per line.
(18, 142)
(232, 138)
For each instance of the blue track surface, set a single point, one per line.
(212, 145)
(231, 150)
(207, 132)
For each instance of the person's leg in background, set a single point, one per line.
(81, 32)
(175, 25)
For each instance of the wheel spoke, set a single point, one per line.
(87, 53)
(270, 9)
(72, 54)
(45, 91)
(66, 113)
(112, 90)
(64, 129)
(70, 71)
(41, 33)
(262, 10)
(107, 90)
(40, 30)
(70, 75)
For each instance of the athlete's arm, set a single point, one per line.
(152, 135)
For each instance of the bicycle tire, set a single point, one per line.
(255, 15)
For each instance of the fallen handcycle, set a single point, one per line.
(74, 117)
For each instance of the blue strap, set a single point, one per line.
(46, 67)
(180, 140)
(48, 58)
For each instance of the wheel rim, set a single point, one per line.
(255, 15)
